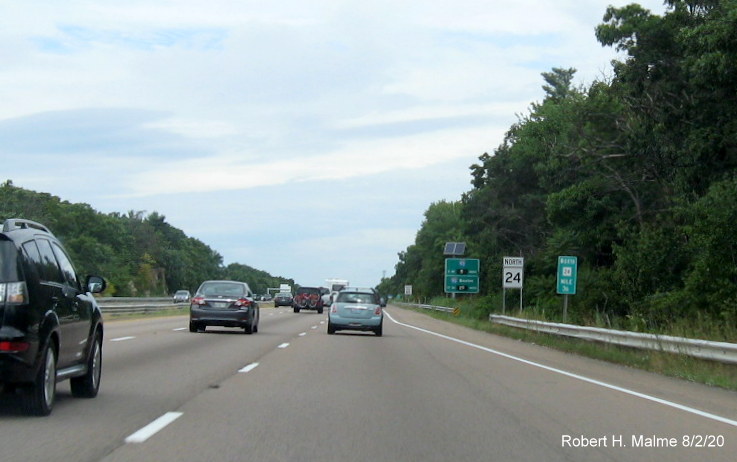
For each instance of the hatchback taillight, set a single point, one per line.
(198, 301)
(377, 311)
(334, 308)
(13, 293)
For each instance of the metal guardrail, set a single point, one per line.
(453, 311)
(133, 305)
(715, 351)
(704, 349)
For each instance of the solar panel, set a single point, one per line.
(454, 248)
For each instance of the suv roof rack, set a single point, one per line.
(19, 223)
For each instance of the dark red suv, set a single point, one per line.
(308, 298)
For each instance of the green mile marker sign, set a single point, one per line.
(567, 275)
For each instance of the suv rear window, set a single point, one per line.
(308, 290)
(8, 262)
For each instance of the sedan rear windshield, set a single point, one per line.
(223, 288)
(356, 297)
(8, 262)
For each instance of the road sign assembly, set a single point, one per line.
(462, 275)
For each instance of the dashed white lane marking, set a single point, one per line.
(303, 334)
(121, 339)
(248, 368)
(574, 376)
(283, 345)
(313, 327)
(179, 328)
(153, 428)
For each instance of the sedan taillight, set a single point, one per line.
(243, 302)
(198, 301)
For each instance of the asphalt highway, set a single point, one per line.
(425, 391)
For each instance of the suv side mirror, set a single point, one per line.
(95, 284)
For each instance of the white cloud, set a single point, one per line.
(293, 108)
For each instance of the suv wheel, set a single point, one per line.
(88, 385)
(39, 398)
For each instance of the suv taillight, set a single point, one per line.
(198, 301)
(13, 293)
(14, 347)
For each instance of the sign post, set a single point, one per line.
(512, 278)
(567, 276)
(462, 275)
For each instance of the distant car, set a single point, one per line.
(308, 298)
(327, 298)
(357, 309)
(226, 304)
(181, 296)
(50, 324)
(283, 299)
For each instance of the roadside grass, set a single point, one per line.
(679, 366)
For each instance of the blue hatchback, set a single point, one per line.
(356, 309)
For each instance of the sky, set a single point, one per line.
(302, 138)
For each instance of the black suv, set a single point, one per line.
(50, 325)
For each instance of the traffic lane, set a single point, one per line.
(414, 396)
(571, 411)
(350, 396)
(698, 396)
(161, 366)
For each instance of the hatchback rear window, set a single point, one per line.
(356, 297)
(8, 262)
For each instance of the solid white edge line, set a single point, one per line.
(576, 376)
(153, 428)
(248, 368)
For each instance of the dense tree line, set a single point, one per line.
(636, 175)
(138, 254)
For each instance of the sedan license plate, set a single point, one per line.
(220, 304)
